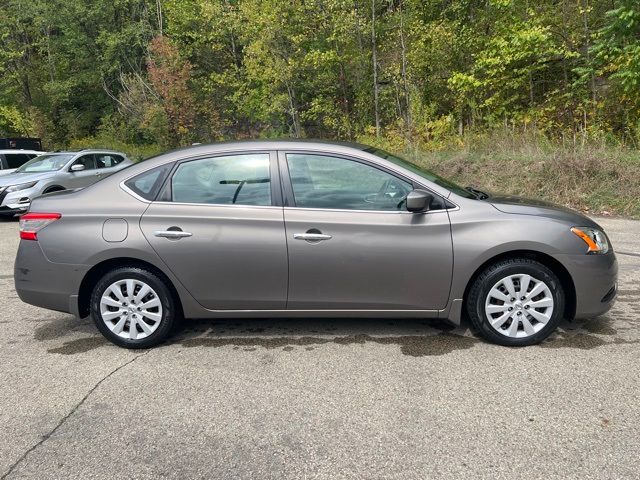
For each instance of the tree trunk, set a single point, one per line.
(159, 15)
(405, 83)
(374, 55)
(587, 38)
(293, 111)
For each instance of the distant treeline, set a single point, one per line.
(419, 72)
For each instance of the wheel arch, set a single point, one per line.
(547, 260)
(53, 188)
(96, 272)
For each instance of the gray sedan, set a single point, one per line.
(298, 229)
(54, 172)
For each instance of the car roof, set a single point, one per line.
(278, 143)
(86, 150)
(264, 144)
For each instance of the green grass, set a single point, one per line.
(595, 178)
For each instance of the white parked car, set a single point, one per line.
(10, 159)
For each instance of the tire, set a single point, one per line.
(154, 313)
(491, 301)
(53, 189)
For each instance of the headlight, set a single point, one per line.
(595, 239)
(22, 186)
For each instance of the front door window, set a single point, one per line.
(328, 182)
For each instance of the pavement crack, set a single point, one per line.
(631, 254)
(68, 415)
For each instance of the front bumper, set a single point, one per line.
(14, 209)
(16, 202)
(595, 279)
(43, 283)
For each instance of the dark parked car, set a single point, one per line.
(296, 229)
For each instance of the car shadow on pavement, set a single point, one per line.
(414, 337)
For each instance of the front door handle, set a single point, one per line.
(311, 237)
(173, 234)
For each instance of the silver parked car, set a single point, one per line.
(54, 172)
(297, 229)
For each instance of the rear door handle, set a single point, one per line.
(174, 234)
(311, 237)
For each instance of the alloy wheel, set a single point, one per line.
(131, 309)
(519, 306)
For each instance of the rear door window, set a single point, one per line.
(239, 179)
(104, 160)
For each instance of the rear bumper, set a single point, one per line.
(595, 279)
(43, 283)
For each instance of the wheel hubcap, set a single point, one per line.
(131, 309)
(519, 306)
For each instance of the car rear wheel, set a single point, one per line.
(133, 307)
(516, 302)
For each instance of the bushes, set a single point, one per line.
(134, 152)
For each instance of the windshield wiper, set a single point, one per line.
(480, 195)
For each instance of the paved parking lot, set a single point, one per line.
(320, 398)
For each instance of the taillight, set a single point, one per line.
(32, 223)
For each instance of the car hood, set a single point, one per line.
(540, 208)
(18, 178)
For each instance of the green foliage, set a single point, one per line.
(13, 122)
(165, 73)
(617, 54)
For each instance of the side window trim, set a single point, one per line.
(165, 194)
(287, 187)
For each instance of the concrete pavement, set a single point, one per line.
(305, 398)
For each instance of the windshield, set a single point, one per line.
(423, 172)
(45, 163)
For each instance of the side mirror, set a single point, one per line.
(419, 201)
(78, 167)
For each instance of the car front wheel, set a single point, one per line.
(516, 302)
(133, 307)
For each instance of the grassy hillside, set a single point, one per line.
(595, 178)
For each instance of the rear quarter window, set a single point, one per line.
(148, 184)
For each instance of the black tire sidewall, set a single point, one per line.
(157, 284)
(500, 270)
